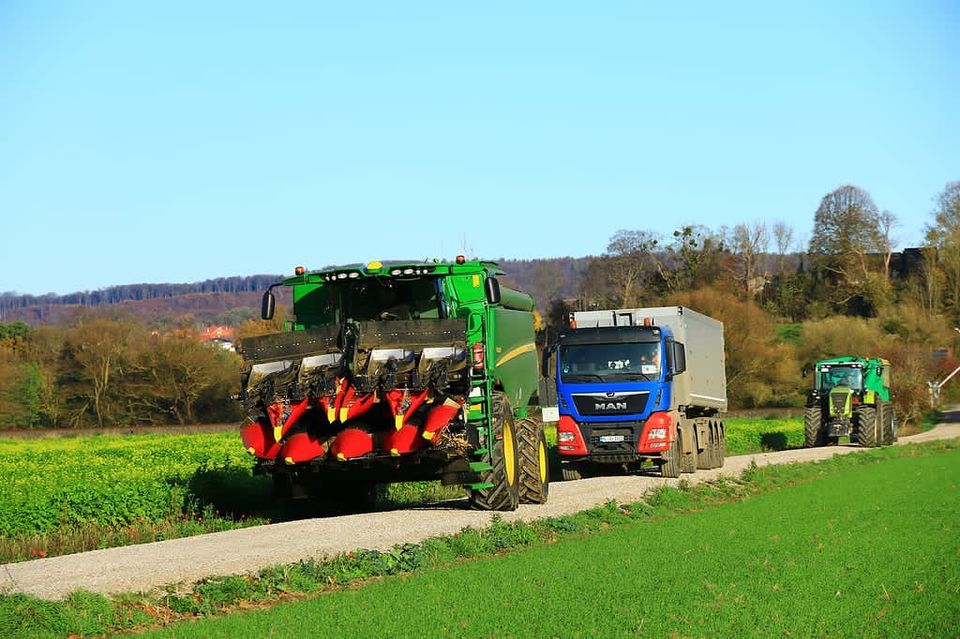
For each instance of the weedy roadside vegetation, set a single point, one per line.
(732, 584)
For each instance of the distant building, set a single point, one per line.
(220, 336)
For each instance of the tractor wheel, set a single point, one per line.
(504, 494)
(868, 426)
(688, 461)
(889, 424)
(532, 458)
(570, 472)
(813, 433)
(670, 467)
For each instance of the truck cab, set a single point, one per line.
(624, 390)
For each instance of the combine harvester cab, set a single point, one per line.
(641, 384)
(850, 397)
(398, 372)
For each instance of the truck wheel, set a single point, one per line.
(813, 433)
(868, 427)
(688, 461)
(505, 492)
(670, 467)
(569, 472)
(532, 458)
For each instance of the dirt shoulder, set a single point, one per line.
(145, 567)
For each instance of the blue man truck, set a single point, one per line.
(641, 384)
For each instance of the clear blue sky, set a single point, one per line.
(191, 140)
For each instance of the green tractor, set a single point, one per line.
(398, 372)
(850, 397)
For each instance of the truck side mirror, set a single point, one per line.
(492, 288)
(804, 371)
(267, 305)
(679, 358)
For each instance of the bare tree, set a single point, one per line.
(783, 238)
(749, 241)
(845, 230)
(627, 263)
(887, 222)
(946, 216)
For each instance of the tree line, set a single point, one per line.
(784, 306)
(10, 301)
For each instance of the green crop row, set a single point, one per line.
(749, 435)
(114, 481)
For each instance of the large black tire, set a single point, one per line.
(504, 494)
(868, 426)
(570, 472)
(709, 458)
(670, 467)
(889, 424)
(688, 461)
(533, 460)
(721, 443)
(814, 434)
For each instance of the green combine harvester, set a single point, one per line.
(398, 372)
(850, 397)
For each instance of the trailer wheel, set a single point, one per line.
(723, 443)
(868, 427)
(670, 466)
(532, 458)
(813, 433)
(716, 457)
(688, 461)
(709, 458)
(505, 492)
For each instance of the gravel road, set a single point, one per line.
(145, 567)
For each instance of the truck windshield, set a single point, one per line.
(848, 376)
(584, 363)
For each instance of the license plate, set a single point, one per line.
(610, 439)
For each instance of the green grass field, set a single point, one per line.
(873, 551)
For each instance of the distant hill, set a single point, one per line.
(231, 300)
(147, 301)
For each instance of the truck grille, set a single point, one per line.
(596, 404)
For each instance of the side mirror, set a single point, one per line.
(804, 371)
(492, 288)
(267, 305)
(679, 358)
